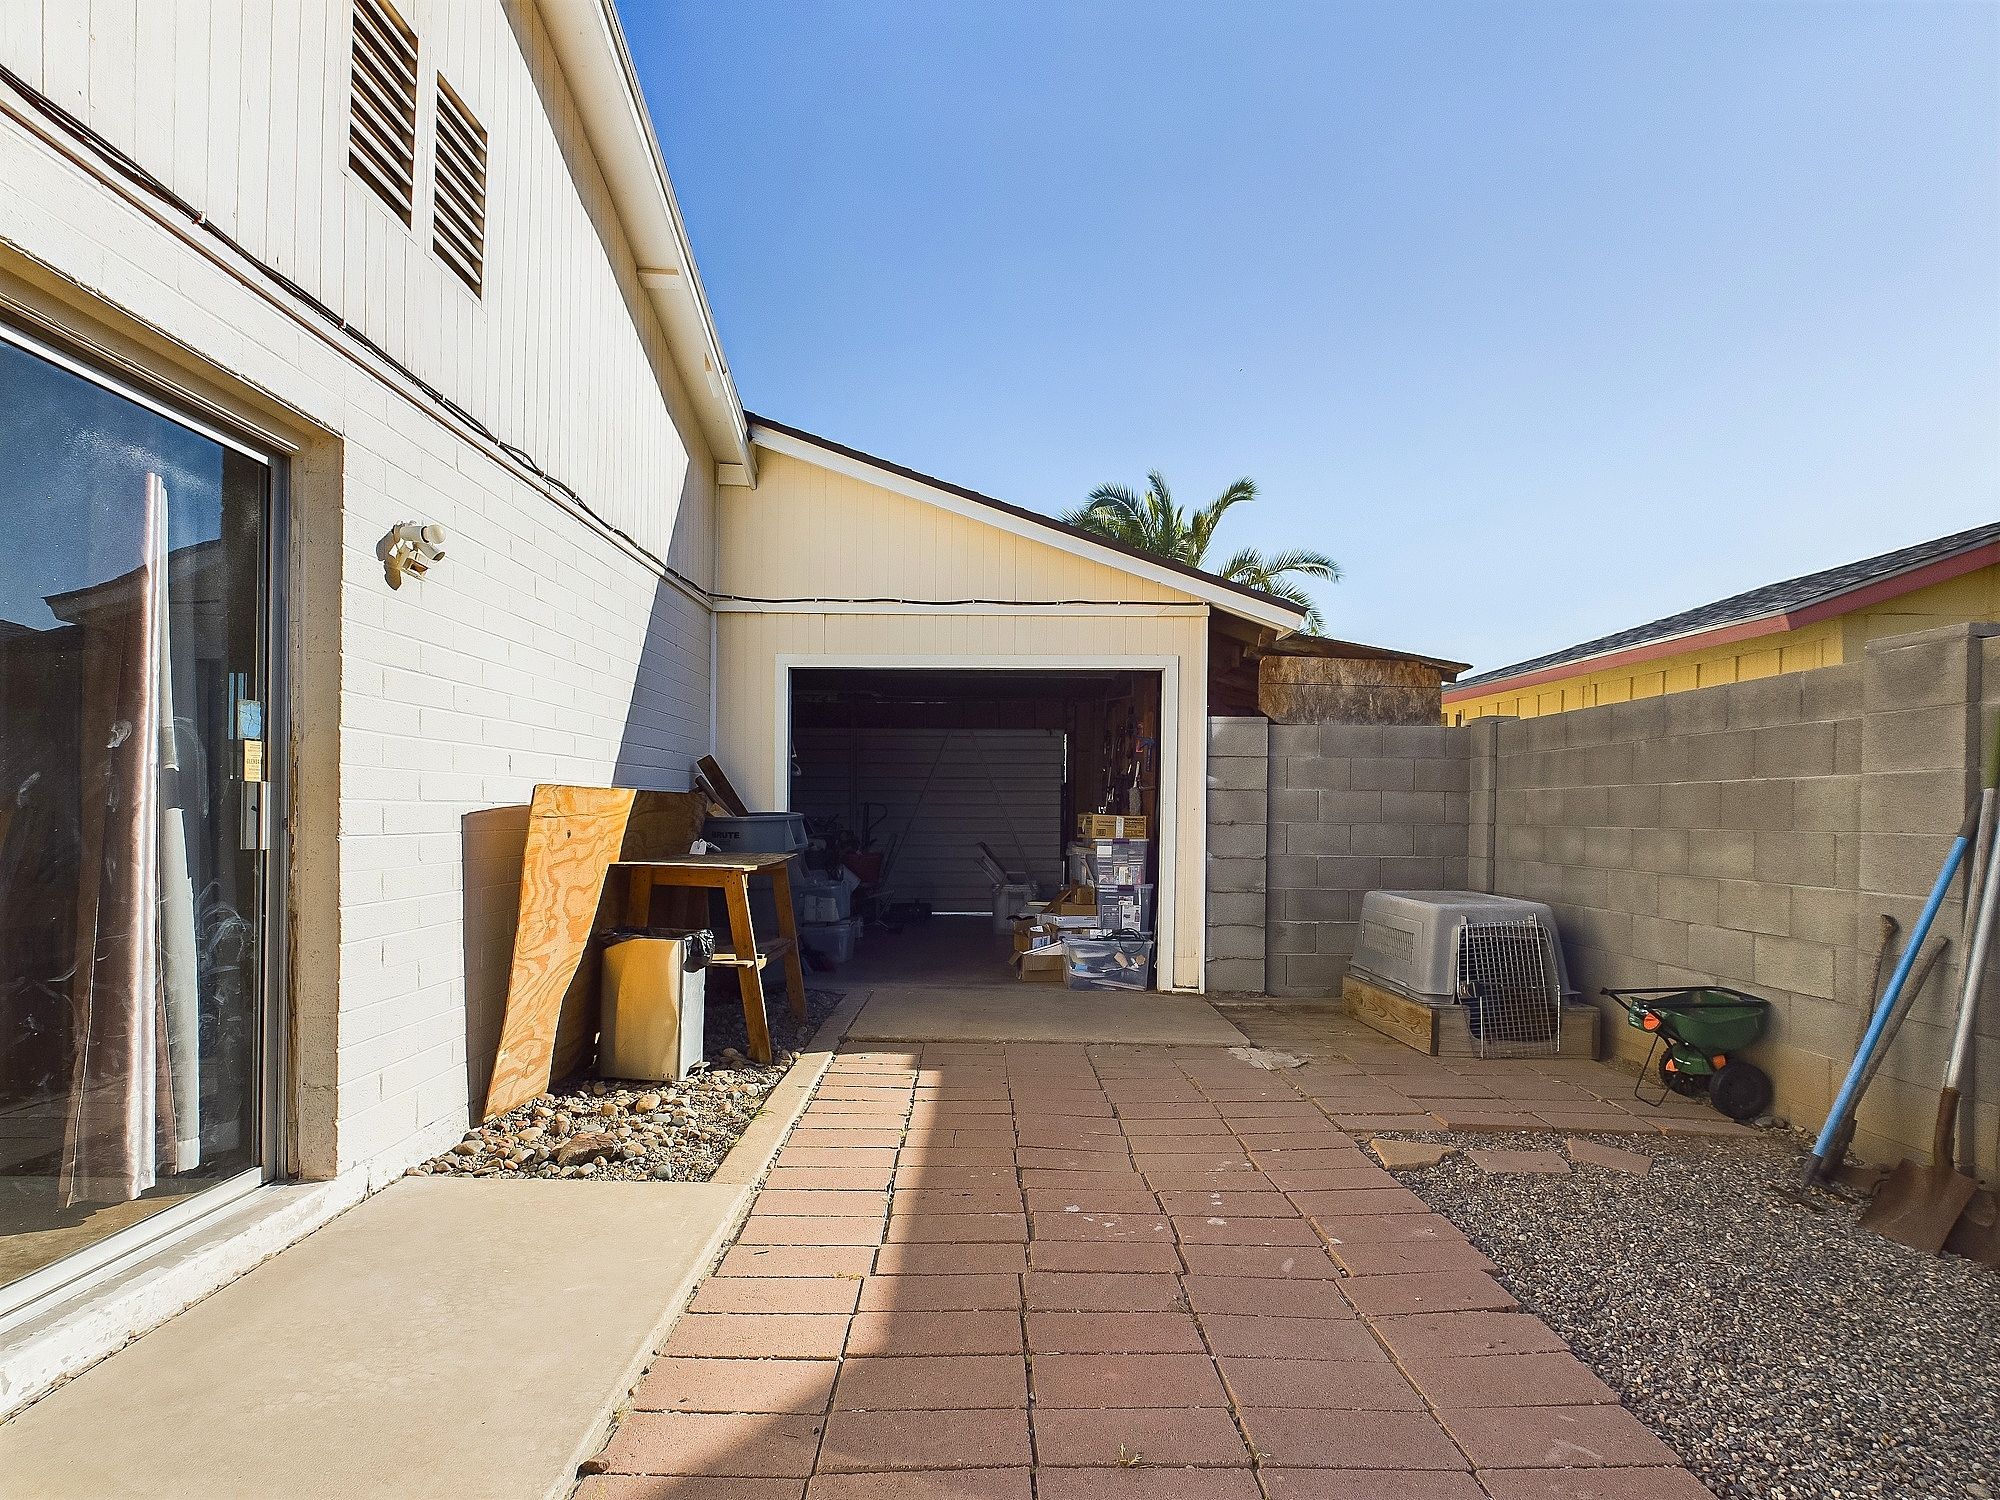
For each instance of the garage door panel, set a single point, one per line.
(945, 791)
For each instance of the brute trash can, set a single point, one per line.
(655, 990)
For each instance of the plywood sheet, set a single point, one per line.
(575, 834)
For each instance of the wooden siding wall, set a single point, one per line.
(241, 107)
(1826, 643)
(941, 793)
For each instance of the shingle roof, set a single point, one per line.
(1756, 604)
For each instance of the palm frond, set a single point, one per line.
(1303, 560)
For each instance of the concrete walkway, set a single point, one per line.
(1010, 1011)
(1087, 1272)
(461, 1338)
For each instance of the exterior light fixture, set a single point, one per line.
(410, 548)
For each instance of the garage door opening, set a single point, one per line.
(924, 784)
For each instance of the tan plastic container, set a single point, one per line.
(653, 1010)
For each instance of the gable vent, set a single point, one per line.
(458, 208)
(382, 117)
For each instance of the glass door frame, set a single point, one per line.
(76, 1273)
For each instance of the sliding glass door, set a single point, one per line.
(133, 608)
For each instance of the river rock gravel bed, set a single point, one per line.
(1782, 1351)
(626, 1131)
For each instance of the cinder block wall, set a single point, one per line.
(1754, 834)
(1354, 808)
(1239, 778)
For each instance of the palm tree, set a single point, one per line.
(1153, 523)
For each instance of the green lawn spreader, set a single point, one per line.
(1696, 1032)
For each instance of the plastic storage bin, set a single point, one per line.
(1123, 908)
(1107, 963)
(655, 990)
(757, 833)
(833, 941)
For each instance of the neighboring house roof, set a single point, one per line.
(1761, 611)
(590, 45)
(1236, 598)
(1321, 645)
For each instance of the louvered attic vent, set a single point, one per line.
(382, 118)
(458, 207)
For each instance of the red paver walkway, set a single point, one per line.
(999, 1272)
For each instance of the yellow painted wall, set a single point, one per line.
(804, 531)
(1825, 643)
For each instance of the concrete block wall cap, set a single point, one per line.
(1967, 630)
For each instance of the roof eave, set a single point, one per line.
(1279, 614)
(590, 47)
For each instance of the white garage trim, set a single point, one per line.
(1167, 834)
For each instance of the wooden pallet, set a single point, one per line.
(1441, 1030)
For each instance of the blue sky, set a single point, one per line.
(1543, 318)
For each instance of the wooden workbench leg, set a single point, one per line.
(638, 898)
(788, 927)
(743, 939)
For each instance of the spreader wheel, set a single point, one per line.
(1740, 1090)
(1691, 1085)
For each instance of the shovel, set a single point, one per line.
(1918, 1206)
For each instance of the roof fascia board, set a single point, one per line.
(590, 47)
(1831, 606)
(1278, 617)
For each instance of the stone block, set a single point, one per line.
(1795, 750)
(1913, 801)
(1583, 806)
(1766, 701)
(1337, 937)
(1413, 872)
(1690, 805)
(1235, 908)
(1312, 974)
(1722, 952)
(1236, 942)
(1236, 874)
(1237, 840)
(1413, 807)
(1238, 773)
(1659, 941)
(1383, 838)
(1830, 693)
(1351, 807)
(1633, 891)
(1563, 846)
(1608, 848)
(1699, 712)
(1458, 875)
(1320, 773)
(1847, 741)
(1747, 906)
(1917, 739)
(1382, 776)
(1688, 898)
(1519, 841)
(1827, 804)
(1451, 774)
(1294, 805)
(1416, 741)
(1447, 840)
(1295, 742)
(1760, 804)
(1293, 872)
(1824, 915)
(1284, 938)
(1902, 864)
(1729, 756)
(1239, 976)
(1925, 670)
(1792, 964)
(1580, 885)
(1318, 904)
(1661, 850)
(1350, 739)
(1639, 720)
(1634, 806)
(1233, 736)
(1727, 854)
(1311, 838)
(1348, 872)
(1238, 807)
(1795, 859)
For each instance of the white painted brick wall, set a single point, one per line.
(540, 650)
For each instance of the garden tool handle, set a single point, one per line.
(1943, 1142)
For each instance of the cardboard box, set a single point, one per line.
(1074, 901)
(1111, 826)
(1041, 965)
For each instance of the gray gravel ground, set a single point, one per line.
(615, 1130)
(1784, 1353)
